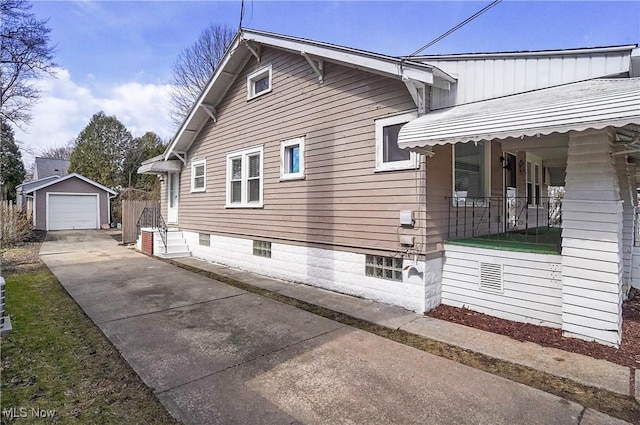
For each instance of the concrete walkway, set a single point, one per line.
(215, 354)
(583, 369)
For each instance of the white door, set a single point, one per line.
(69, 212)
(173, 187)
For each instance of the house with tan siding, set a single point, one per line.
(319, 164)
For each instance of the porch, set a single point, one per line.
(570, 265)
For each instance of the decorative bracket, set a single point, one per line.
(418, 92)
(316, 64)
(182, 156)
(210, 110)
(254, 49)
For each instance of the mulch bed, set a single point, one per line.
(627, 355)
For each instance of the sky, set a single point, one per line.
(116, 56)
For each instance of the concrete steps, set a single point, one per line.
(176, 245)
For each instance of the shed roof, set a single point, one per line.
(67, 177)
(25, 187)
(593, 104)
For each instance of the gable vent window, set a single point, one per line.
(262, 249)
(389, 268)
(491, 277)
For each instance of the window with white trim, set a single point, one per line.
(388, 155)
(244, 178)
(198, 175)
(259, 82)
(470, 170)
(292, 159)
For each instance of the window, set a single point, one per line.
(198, 170)
(470, 170)
(384, 267)
(204, 239)
(259, 82)
(244, 179)
(534, 179)
(388, 155)
(292, 159)
(262, 249)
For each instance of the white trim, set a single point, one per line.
(258, 75)
(283, 156)
(195, 164)
(244, 154)
(97, 195)
(35, 211)
(177, 176)
(380, 124)
(67, 177)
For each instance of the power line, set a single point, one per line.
(457, 27)
(241, 14)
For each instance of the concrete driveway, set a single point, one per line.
(214, 354)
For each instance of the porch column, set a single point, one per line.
(592, 245)
(627, 218)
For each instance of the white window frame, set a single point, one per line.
(284, 145)
(244, 155)
(380, 124)
(258, 75)
(486, 175)
(194, 165)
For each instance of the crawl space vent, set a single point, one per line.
(491, 277)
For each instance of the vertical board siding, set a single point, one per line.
(532, 284)
(341, 201)
(131, 211)
(487, 78)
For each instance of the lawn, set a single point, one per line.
(56, 364)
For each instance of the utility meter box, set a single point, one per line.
(406, 218)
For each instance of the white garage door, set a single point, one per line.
(67, 212)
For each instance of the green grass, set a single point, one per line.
(56, 359)
(546, 242)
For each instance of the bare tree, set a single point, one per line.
(58, 152)
(194, 67)
(25, 56)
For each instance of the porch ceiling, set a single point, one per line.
(593, 104)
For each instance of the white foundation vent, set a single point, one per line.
(491, 277)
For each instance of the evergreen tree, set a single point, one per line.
(12, 171)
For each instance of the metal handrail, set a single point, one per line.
(152, 217)
(503, 217)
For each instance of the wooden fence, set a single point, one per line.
(131, 210)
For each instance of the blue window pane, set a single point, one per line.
(295, 159)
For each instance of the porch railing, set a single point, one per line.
(514, 219)
(152, 217)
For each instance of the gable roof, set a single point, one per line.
(26, 186)
(67, 177)
(592, 104)
(247, 42)
(46, 167)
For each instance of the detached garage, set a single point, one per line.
(70, 202)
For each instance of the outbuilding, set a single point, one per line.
(70, 202)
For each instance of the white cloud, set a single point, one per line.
(66, 107)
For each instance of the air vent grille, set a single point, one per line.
(491, 277)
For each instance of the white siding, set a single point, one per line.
(489, 77)
(532, 284)
(593, 251)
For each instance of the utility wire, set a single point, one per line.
(457, 27)
(241, 14)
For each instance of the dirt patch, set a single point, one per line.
(627, 355)
(24, 256)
